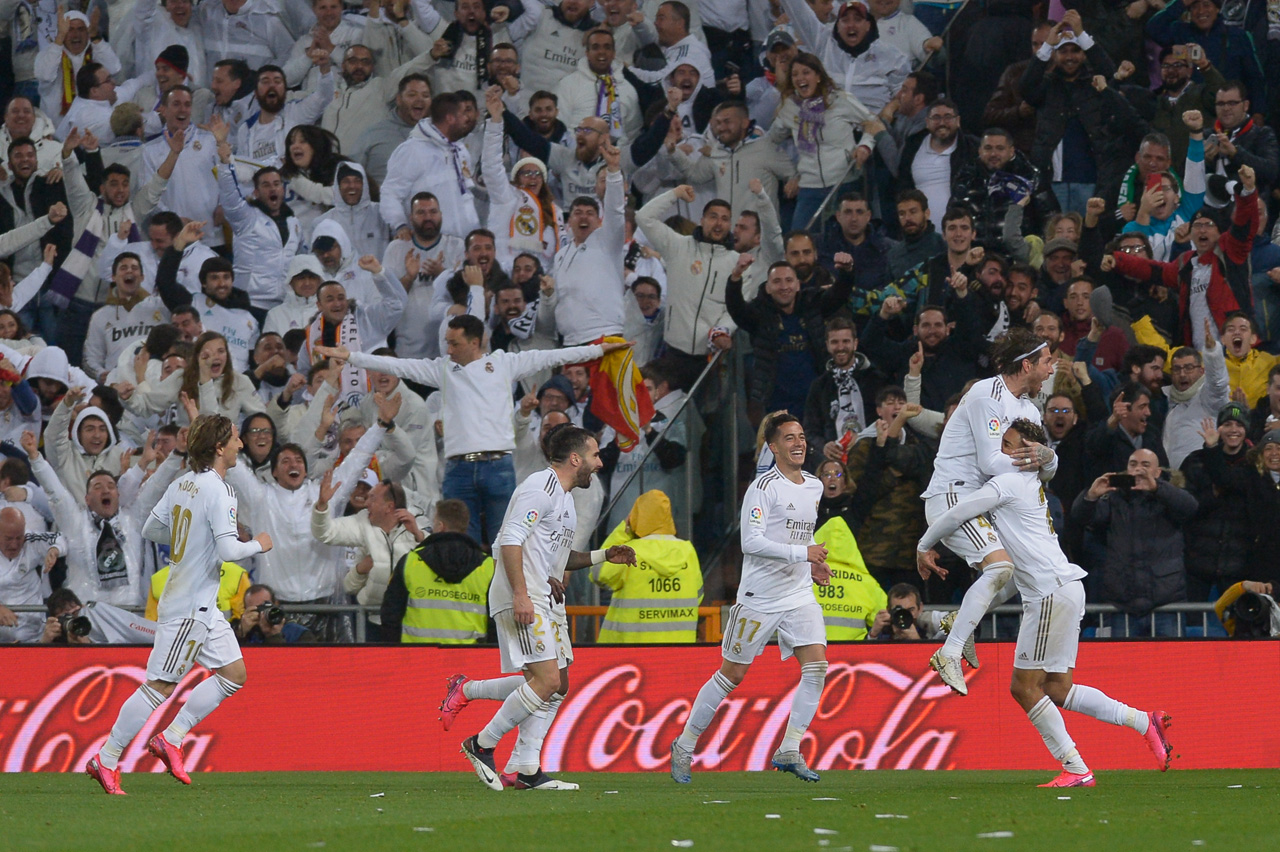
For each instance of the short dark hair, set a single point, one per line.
(167, 219)
(478, 233)
(775, 425)
(1129, 392)
(291, 447)
(889, 392)
(936, 308)
(269, 69)
(562, 441)
(778, 264)
(1253, 327)
(998, 131)
(422, 196)
(454, 513)
(18, 143)
(904, 590)
(585, 201)
(851, 198)
(164, 99)
(1137, 356)
(444, 105)
(840, 322)
(263, 172)
(1237, 87)
(116, 169)
(544, 95)
(1187, 352)
(237, 68)
(1030, 431)
(913, 195)
(1026, 270)
(717, 202)
(185, 309)
(680, 9)
(87, 78)
(942, 102)
(124, 255)
(260, 587)
(955, 213)
(927, 85)
(648, 281)
(61, 599)
(471, 327)
(412, 78)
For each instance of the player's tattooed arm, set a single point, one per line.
(619, 553)
(1036, 457)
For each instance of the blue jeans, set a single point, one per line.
(485, 486)
(809, 200)
(1073, 196)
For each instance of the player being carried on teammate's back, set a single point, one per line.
(1052, 606)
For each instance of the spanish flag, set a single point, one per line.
(618, 395)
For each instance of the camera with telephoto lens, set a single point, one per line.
(901, 618)
(272, 613)
(74, 624)
(1253, 614)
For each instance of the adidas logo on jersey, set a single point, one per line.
(791, 507)
(1022, 656)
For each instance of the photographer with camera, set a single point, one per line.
(905, 618)
(1248, 611)
(73, 622)
(265, 623)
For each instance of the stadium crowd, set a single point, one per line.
(325, 220)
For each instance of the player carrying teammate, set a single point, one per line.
(780, 564)
(533, 550)
(196, 517)
(968, 455)
(1052, 606)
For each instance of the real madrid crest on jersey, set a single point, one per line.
(696, 267)
(488, 366)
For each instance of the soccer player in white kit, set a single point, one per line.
(533, 549)
(196, 517)
(780, 564)
(1052, 606)
(968, 455)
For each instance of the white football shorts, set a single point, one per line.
(748, 631)
(975, 540)
(184, 642)
(1049, 635)
(546, 639)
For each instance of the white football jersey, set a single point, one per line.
(198, 509)
(777, 525)
(1021, 510)
(969, 450)
(541, 520)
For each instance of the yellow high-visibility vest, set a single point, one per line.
(850, 603)
(441, 612)
(656, 600)
(233, 582)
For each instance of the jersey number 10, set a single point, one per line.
(178, 531)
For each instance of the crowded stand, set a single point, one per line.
(398, 243)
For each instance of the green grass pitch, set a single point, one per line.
(864, 811)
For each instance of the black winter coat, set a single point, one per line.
(1218, 537)
(966, 152)
(1113, 126)
(1143, 568)
(762, 319)
(970, 185)
(1261, 496)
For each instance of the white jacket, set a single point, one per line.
(385, 548)
(154, 30)
(48, 70)
(414, 336)
(357, 108)
(589, 304)
(876, 74)
(551, 50)
(733, 169)
(261, 259)
(840, 135)
(581, 96)
(66, 454)
(113, 327)
(294, 312)
(192, 191)
(362, 221)
(299, 567)
(414, 421)
(80, 527)
(261, 143)
(697, 273)
(429, 162)
(255, 34)
(513, 217)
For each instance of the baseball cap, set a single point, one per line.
(853, 5)
(1058, 244)
(1233, 411)
(779, 35)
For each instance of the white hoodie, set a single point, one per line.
(67, 455)
(428, 162)
(362, 221)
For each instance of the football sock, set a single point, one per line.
(714, 691)
(134, 713)
(804, 703)
(202, 701)
(522, 703)
(1048, 721)
(991, 583)
(526, 757)
(1104, 708)
(496, 689)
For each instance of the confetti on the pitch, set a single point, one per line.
(826, 799)
(1234, 786)
(995, 834)
(1197, 843)
(682, 844)
(716, 802)
(607, 792)
(1064, 798)
(957, 798)
(877, 848)
(423, 828)
(379, 810)
(773, 816)
(825, 831)
(377, 795)
(1105, 821)
(892, 816)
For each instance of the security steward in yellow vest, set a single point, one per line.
(439, 591)
(233, 582)
(655, 600)
(850, 603)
